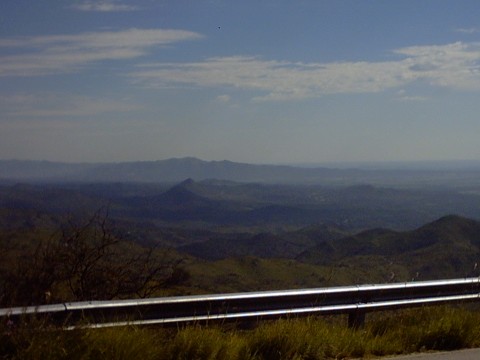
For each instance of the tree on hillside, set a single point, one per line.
(87, 261)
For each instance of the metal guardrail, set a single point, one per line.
(353, 300)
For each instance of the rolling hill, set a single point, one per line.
(447, 247)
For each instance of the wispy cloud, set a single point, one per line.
(402, 95)
(472, 30)
(278, 79)
(223, 98)
(103, 6)
(54, 105)
(41, 55)
(454, 65)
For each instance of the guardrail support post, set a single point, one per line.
(356, 319)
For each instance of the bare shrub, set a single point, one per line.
(87, 260)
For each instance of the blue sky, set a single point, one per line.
(259, 81)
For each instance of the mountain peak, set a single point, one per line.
(186, 183)
(182, 196)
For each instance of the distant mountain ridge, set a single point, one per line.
(170, 170)
(177, 169)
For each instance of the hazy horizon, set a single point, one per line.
(461, 164)
(270, 82)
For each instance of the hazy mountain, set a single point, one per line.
(175, 170)
(261, 206)
(171, 170)
(179, 197)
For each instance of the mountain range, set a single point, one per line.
(310, 234)
(177, 169)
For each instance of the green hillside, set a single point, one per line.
(448, 247)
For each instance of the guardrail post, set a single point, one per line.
(356, 319)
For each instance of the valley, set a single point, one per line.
(241, 236)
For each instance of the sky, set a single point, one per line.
(256, 81)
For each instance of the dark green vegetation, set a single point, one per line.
(399, 332)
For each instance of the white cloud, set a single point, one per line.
(223, 98)
(276, 80)
(103, 6)
(41, 55)
(454, 65)
(53, 105)
(276, 77)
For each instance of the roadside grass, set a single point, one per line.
(385, 333)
